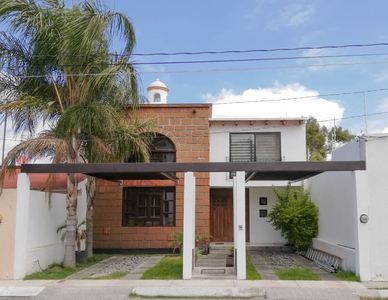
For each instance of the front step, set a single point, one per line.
(220, 246)
(214, 273)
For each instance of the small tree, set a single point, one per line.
(296, 216)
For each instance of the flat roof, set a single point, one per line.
(256, 119)
(290, 171)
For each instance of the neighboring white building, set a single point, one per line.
(266, 140)
(347, 199)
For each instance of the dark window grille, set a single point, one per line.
(162, 149)
(260, 146)
(149, 206)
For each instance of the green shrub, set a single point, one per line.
(296, 216)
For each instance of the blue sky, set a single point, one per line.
(189, 26)
(174, 26)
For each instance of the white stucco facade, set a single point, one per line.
(292, 138)
(261, 231)
(344, 196)
(293, 148)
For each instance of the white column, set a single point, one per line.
(362, 239)
(235, 227)
(188, 225)
(21, 226)
(241, 249)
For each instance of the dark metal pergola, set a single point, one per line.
(289, 171)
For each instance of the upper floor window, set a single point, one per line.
(156, 97)
(261, 146)
(162, 149)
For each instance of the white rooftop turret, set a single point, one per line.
(157, 92)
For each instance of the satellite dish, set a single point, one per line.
(22, 160)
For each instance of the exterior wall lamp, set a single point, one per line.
(364, 218)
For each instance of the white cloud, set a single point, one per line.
(382, 77)
(292, 15)
(255, 106)
(385, 130)
(383, 106)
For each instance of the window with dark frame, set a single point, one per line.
(162, 149)
(263, 213)
(256, 146)
(263, 200)
(149, 206)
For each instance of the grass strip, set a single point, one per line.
(58, 271)
(170, 267)
(347, 276)
(297, 274)
(114, 275)
(252, 273)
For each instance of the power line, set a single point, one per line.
(222, 60)
(304, 97)
(274, 100)
(242, 130)
(223, 51)
(256, 59)
(261, 50)
(266, 68)
(209, 70)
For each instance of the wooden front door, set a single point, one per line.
(221, 215)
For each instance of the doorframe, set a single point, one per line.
(247, 212)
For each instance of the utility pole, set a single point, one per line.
(333, 137)
(5, 132)
(366, 125)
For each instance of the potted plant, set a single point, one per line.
(202, 241)
(80, 241)
(177, 242)
(197, 254)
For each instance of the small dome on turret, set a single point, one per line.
(157, 92)
(157, 83)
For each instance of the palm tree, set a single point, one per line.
(57, 68)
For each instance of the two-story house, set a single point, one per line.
(144, 213)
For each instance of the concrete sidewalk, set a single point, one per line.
(260, 289)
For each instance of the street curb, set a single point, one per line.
(199, 292)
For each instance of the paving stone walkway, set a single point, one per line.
(213, 266)
(267, 273)
(133, 275)
(139, 270)
(262, 267)
(308, 264)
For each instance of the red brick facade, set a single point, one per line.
(187, 126)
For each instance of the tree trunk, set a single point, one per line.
(71, 206)
(90, 193)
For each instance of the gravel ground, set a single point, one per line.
(279, 261)
(125, 264)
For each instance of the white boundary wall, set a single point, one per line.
(343, 196)
(36, 226)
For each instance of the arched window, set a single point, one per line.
(156, 97)
(162, 149)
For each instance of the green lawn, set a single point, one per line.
(252, 273)
(347, 276)
(57, 271)
(170, 267)
(115, 275)
(297, 274)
